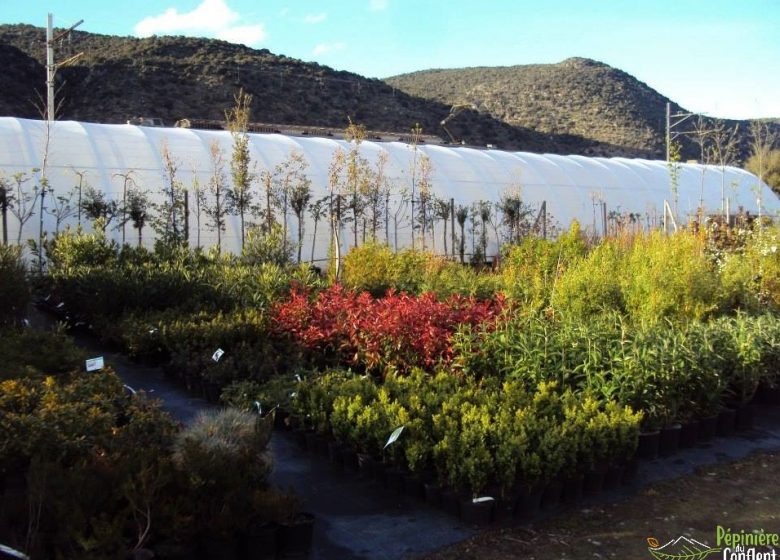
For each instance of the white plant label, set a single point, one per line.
(217, 355)
(482, 499)
(95, 364)
(394, 436)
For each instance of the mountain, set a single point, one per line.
(577, 106)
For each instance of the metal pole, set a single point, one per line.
(668, 129)
(50, 68)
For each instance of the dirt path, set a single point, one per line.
(740, 495)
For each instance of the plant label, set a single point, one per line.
(394, 436)
(482, 499)
(217, 355)
(95, 364)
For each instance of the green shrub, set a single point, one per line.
(670, 277)
(15, 292)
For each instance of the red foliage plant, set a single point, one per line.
(398, 330)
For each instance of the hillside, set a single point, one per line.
(578, 106)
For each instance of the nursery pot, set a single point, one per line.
(295, 537)
(349, 459)
(553, 491)
(213, 391)
(572, 489)
(689, 433)
(745, 417)
(593, 483)
(432, 493)
(648, 445)
(505, 506)
(366, 464)
(613, 477)
(413, 486)
(630, 470)
(727, 421)
(529, 501)
(708, 426)
(768, 395)
(280, 418)
(477, 511)
(334, 452)
(394, 480)
(669, 440)
(450, 501)
(219, 548)
(261, 542)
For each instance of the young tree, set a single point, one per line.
(377, 192)
(290, 175)
(137, 210)
(240, 196)
(762, 142)
(416, 133)
(356, 168)
(335, 184)
(82, 175)
(404, 199)
(317, 211)
(62, 209)
(441, 210)
(127, 181)
(170, 219)
(424, 187)
(217, 210)
(461, 215)
(723, 150)
(6, 199)
(97, 208)
(300, 195)
(200, 201)
(22, 205)
(268, 180)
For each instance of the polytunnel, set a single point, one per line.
(567, 187)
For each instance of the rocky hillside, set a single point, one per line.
(578, 106)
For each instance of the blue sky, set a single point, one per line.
(721, 57)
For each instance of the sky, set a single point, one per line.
(717, 57)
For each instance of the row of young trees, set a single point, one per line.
(362, 203)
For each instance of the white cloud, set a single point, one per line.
(315, 18)
(243, 34)
(213, 18)
(326, 48)
(377, 5)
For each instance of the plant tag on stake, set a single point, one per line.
(482, 499)
(217, 355)
(393, 437)
(95, 364)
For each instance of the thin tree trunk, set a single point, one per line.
(300, 237)
(314, 240)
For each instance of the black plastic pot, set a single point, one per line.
(450, 501)
(529, 501)
(261, 542)
(334, 452)
(432, 494)
(413, 486)
(551, 496)
(295, 537)
(613, 477)
(572, 489)
(366, 464)
(727, 422)
(349, 459)
(689, 433)
(394, 480)
(708, 427)
(648, 445)
(212, 391)
(219, 548)
(745, 416)
(478, 511)
(504, 507)
(630, 470)
(593, 483)
(768, 395)
(669, 440)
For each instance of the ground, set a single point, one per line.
(740, 495)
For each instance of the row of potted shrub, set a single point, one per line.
(467, 438)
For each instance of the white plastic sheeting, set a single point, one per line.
(569, 185)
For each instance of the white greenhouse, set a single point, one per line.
(568, 187)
